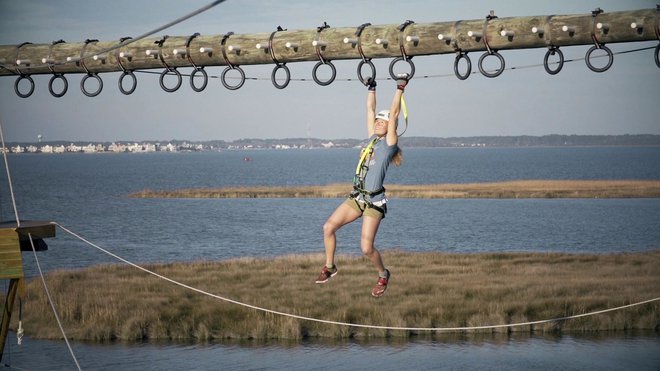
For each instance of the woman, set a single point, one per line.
(368, 198)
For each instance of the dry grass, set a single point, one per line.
(508, 189)
(427, 290)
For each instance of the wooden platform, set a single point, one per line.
(39, 230)
(14, 240)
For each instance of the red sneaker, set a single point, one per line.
(326, 274)
(381, 285)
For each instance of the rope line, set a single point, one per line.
(52, 305)
(345, 323)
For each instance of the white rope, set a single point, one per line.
(11, 188)
(50, 301)
(346, 323)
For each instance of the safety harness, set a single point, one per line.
(358, 181)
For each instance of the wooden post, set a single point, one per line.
(7, 311)
(414, 40)
(15, 238)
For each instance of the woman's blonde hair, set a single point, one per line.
(397, 159)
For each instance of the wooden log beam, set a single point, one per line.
(377, 41)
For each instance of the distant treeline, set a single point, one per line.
(554, 140)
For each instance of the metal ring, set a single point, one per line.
(52, 80)
(332, 77)
(286, 71)
(178, 82)
(550, 52)
(610, 60)
(192, 79)
(224, 81)
(359, 70)
(410, 63)
(18, 80)
(82, 85)
(498, 71)
(121, 82)
(469, 66)
(657, 55)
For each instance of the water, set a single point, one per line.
(88, 194)
(446, 352)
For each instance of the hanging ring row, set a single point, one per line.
(321, 45)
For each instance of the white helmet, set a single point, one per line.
(383, 115)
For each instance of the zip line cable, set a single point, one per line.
(284, 314)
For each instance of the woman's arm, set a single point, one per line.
(371, 106)
(395, 108)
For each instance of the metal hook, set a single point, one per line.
(89, 74)
(460, 55)
(196, 69)
(278, 65)
(56, 76)
(489, 52)
(167, 69)
(319, 45)
(230, 66)
(552, 51)
(404, 57)
(365, 60)
(598, 45)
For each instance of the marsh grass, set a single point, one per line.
(507, 189)
(111, 302)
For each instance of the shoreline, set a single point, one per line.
(496, 190)
(428, 290)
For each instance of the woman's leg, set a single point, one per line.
(370, 226)
(343, 215)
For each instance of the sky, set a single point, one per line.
(522, 101)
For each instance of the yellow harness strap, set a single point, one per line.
(365, 152)
(404, 109)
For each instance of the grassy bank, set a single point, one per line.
(427, 290)
(508, 189)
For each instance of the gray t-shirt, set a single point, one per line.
(378, 162)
